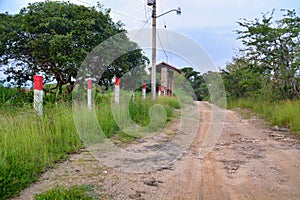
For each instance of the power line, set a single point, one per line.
(84, 2)
(167, 37)
(162, 47)
(138, 6)
(137, 2)
(118, 13)
(144, 27)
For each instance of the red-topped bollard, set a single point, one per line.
(89, 94)
(159, 91)
(117, 91)
(144, 91)
(38, 94)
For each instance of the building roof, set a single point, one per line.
(164, 64)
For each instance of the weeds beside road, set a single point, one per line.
(29, 144)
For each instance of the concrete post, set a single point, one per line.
(38, 94)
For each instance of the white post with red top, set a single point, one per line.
(159, 91)
(117, 91)
(144, 91)
(38, 94)
(89, 94)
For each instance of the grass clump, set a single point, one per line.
(78, 192)
(30, 144)
(283, 113)
(113, 118)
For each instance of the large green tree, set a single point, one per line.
(242, 78)
(197, 82)
(274, 45)
(53, 39)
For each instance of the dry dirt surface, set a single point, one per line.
(249, 160)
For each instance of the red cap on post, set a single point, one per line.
(118, 81)
(144, 85)
(38, 82)
(89, 84)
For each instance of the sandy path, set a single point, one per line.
(248, 161)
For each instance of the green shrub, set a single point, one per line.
(29, 144)
(283, 113)
(77, 192)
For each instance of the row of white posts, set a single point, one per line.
(38, 93)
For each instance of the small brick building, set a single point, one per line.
(167, 77)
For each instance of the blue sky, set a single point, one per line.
(210, 23)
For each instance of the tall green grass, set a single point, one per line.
(112, 118)
(29, 144)
(14, 96)
(77, 192)
(284, 113)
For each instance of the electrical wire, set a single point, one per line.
(137, 2)
(166, 32)
(138, 6)
(124, 15)
(142, 30)
(167, 58)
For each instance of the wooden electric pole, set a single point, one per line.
(153, 71)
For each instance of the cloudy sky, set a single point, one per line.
(209, 23)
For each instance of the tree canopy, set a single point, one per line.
(270, 62)
(53, 39)
(197, 82)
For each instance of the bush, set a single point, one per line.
(29, 144)
(78, 192)
(283, 113)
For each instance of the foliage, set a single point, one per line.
(197, 82)
(270, 64)
(14, 96)
(78, 192)
(30, 144)
(284, 113)
(215, 88)
(138, 111)
(53, 38)
(241, 79)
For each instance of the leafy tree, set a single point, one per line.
(53, 39)
(242, 79)
(197, 82)
(275, 46)
(215, 88)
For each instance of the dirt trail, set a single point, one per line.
(249, 161)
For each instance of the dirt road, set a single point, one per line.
(249, 161)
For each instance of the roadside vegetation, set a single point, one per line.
(31, 144)
(283, 113)
(265, 77)
(78, 192)
(265, 74)
(53, 39)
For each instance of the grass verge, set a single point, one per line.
(78, 192)
(284, 113)
(30, 144)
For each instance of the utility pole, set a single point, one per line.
(153, 71)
